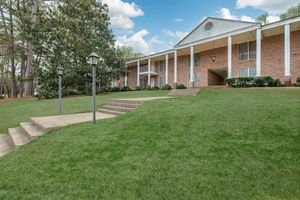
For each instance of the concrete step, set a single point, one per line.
(31, 130)
(117, 108)
(6, 144)
(124, 105)
(132, 102)
(112, 112)
(18, 136)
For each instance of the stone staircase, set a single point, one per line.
(184, 92)
(28, 131)
(119, 106)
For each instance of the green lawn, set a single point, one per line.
(19, 111)
(222, 144)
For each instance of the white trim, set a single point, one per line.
(191, 64)
(229, 58)
(167, 69)
(280, 23)
(138, 73)
(287, 50)
(149, 71)
(258, 52)
(175, 66)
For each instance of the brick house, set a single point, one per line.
(218, 49)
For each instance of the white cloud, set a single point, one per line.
(120, 13)
(155, 40)
(137, 41)
(178, 20)
(225, 13)
(176, 34)
(273, 7)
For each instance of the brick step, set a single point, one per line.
(6, 144)
(31, 130)
(117, 108)
(132, 102)
(184, 92)
(111, 112)
(18, 136)
(124, 105)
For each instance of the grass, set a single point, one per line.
(222, 144)
(12, 113)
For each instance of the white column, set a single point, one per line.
(287, 51)
(175, 66)
(138, 74)
(149, 71)
(258, 52)
(167, 69)
(192, 64)
(229, 57)
(126, 80)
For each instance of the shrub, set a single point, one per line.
(166, 87)
(138, 88)
(259, 82)
(298, 81)
(125, 89)
(243, 82)
(230, 81)
(180, 86)
(155, 88)
(148, 87)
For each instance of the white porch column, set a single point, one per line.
(149, 71)
(167, 69)
(175, 66)
(138, 74)
(192, 65)
(126, 80)
(287, 51)
(229, 57)
(258, 52)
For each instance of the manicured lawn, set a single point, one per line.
(222, 144)
(11, 114)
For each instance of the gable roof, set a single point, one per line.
(217, 26)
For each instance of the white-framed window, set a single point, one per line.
(161, 81)
(162, 66)
(143, 68)
(247, 51)
(196, 60)
(247, 72)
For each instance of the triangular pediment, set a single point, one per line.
(212, 27)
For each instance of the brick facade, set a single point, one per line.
(272, 63)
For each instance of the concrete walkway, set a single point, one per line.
(39, 126)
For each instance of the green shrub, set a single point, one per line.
(259, 82)
(298, 81)
(148, 87)
(138, 88)
(166, 87)
(230, 81)
(243, 82)
(180, 86)
(155, 88)
(125, 89)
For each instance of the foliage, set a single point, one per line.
(292, 12)
(298, 81)
(263, 18)
(138, 88)
(180, 86)
(244, 82)
(166, 87)
(128, 53)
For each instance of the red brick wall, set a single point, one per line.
(132, 77)
(272, 62)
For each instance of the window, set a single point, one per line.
(247, 50)
(162, 66)
(196, 60)
(162, 81)
(197, 79)
(247, 72)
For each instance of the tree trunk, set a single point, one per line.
(23, 68)
(29, 83)
(12, 46)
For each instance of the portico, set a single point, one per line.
(218, 49)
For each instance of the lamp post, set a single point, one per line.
(93, 60)
(60, 71)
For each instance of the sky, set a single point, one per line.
(150, 26)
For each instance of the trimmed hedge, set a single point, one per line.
(298, 81)
(166, 87)
(244, 82)
(180, 86)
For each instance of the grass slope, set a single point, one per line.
(12, 113)
(223, 144)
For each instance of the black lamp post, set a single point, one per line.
(93, 60)
(60, 71)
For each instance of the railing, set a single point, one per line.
(144, 69)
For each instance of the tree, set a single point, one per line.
(292, 12)
(263, 18)
(127, 53)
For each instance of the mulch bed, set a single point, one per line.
(13, 99)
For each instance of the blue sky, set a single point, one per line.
(155, 25)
